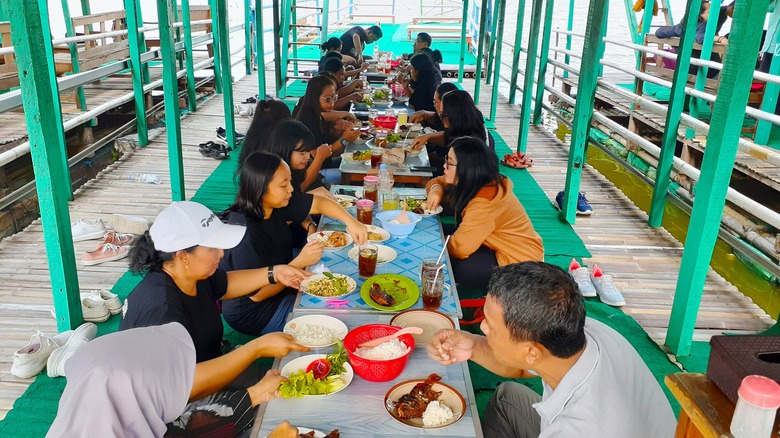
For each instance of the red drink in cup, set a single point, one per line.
(367, 256)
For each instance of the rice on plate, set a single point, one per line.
(389, 350)
(436, 414)
(313, 334)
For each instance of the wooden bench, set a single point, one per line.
(419, 20)
(448, 32)
(94, 53)
(9, 73)
(197, 13)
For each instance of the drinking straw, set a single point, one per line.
(441, 254)
(436, 275)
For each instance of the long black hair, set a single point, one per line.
(331, 44)
(284, 141)
(309, 110)
(476, 168)
(464, 117)
(268, 114)
(144, 258)
(256, 173)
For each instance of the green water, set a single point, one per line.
(765, 294)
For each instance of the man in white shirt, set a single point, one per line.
(595, 383)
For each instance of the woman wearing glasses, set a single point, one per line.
(492, 227)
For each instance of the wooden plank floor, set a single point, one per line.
(643, 261)
(25, 292)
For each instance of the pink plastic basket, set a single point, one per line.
(376, 370)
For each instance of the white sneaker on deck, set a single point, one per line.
(110, 300)
(94, 310)
(31, 359)
(123, 223)
(55, 366)
(607, 291)
(84, 229)
(582, 278)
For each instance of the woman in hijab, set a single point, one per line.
(152, 387)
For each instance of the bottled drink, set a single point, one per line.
(376, 52)
(149, 178)
(385, 182)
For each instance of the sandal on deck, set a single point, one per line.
(517, 160)
(214, 150)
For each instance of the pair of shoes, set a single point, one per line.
(213, 150)
(84, 229)
(115, 246)
(583, 206)
(222, 137)
(31, 359)
(517, 160)
(55, 365)
(244, 109)
(252, 99)
(596, 283)
(125, 224)
(105, 297)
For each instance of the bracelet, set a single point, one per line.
(271, 279)
(310, 224)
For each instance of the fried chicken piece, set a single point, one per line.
(333, 434)
(381, 297)
(424, 390)
(413, 405)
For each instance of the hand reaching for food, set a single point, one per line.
(277, 344)
(284, 430)
(267, 388)
(358, 232)
(451, 346)
(419, 142)
(289, 276)
(310, 254)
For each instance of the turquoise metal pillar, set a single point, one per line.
(543, 57)
(147, 78)
(294, 32)
(192, 103)
(583, 109)
(492, 47)
(179, 56)
(647, 19)
(633, 26)
(706, 52)
(247, 37)
(227, 73)
(463, 43)
(764, 128)
(569, 27)
(325, 19)
(35, 60)
(528, 80)
(74, 53)
(171, 97)
(497, 69)
(260, 47)
(516, 55)
(215, 46)
(284, 30)
(136, 71)
(676, 104)
(480, 49)
(716, 169)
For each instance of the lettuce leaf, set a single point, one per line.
(301, 383)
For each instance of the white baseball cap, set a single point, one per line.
(186, 224)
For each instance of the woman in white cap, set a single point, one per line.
(179, 257)
(144, 382)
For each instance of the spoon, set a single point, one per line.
(383, 339)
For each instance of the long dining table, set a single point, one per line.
(359, 409)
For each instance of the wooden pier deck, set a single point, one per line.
(25, 293)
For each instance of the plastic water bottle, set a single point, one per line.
(376, 52)
(385, 182)
(149, 178)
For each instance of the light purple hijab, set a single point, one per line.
(129, 383)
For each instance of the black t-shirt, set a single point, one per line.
(157, 301)
(266, 243)
(424, 88)
(348, 46)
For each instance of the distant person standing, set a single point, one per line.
(354, 41)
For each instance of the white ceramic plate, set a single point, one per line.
(430, 321)
(323, 237)
(374, 229)
(351, 285)
(305, 430)
(434, 212)
(449, 397)
(347, 156)
(303, 362)
(346, 201)
(386, 255)
(335, 325)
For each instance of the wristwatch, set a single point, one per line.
(271, 279)
(310, 224)
(344, 142)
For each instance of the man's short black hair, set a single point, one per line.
(376, 30)
(425, 37)
(336, 55)
(541, 303)
(331, 65)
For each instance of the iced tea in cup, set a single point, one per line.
(429, 265)
(433, 289)
(376, 157)
(372, 113)
(367, 255)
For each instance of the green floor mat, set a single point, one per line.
(697, 361)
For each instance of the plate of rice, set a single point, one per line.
(447, 410)
(316, 331)
(328, 285)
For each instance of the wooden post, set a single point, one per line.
(528, 79)
(583, 109)
(543, 57)
(136, 70)
(480, 49)
(35, 61)
(676, 104)
(516, 55)
(717, 166)
(74, 53)
(247, 38)
(492, 46)
(569, 27)
(260, 47)
(227, 71)
(497, 69)
(769, 103)
(706, 52)
(215, 46)
(192, 100)
(171, 97)
(463, 41)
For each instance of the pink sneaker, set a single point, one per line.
(118, 239)
(106, 252)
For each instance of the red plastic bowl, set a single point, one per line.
(387, 122)
(376, 370)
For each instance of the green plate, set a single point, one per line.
(402, 288)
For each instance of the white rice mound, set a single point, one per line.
(385, 351)
(313, 334)
(436, 414)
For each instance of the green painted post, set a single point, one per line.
(259, 46)
(492, 47)
(136, 71)
(543, 57)
(74, 53)
(179, 56)
(325, 17)
(528, 79)
(516, 55)
(480, 49)
(769, 103)
(247, 38)
(277, 29)
(215, 46)
(147, 78)
(227, 73)
(464, 21)
(633, 26)
(294, 31)
(496, 72)
(706, 52)
(583, 109)
(569, 27)
(716, 169)
(647, 20)
(171, 97)
(35, 61)
(676, 104)
(192, 103)
(285, 29)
